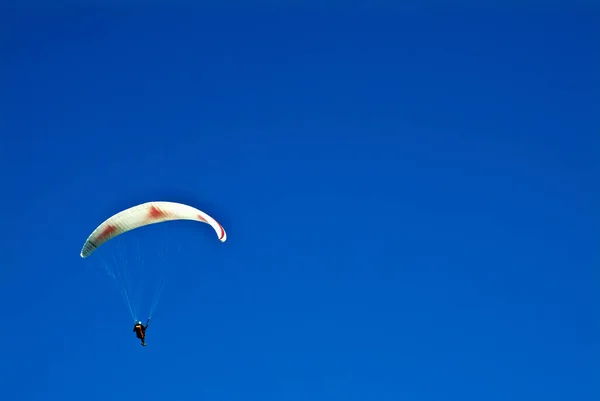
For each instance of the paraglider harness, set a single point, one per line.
(140, 331)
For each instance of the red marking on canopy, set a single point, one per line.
(222, 232)
(156, 213)
(202, 219)
(106, 232)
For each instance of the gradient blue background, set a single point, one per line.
(411, 201)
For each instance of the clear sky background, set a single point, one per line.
(411, 200)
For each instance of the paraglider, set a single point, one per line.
(140, 331)
(133, 218)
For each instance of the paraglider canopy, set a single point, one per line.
(143, 215)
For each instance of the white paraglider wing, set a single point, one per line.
(143, 215)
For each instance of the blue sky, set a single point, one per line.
(411, 203)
